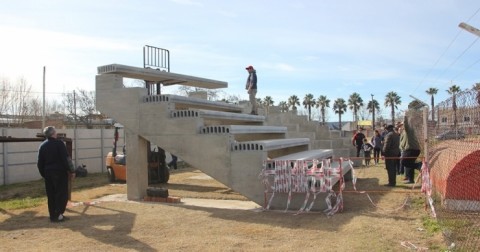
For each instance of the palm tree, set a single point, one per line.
(454, 90)
(283, 106)
(268, 101)
(354, 103)
(392, 100)
(308, 103)
(339, 107)
(372, 106)
(323, 103)
(432, 92)
(293, 102)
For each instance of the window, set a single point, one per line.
(444, 119)
(466, 118)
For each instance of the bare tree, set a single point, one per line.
(19, 100)
(81, 105)
(5, 92)
(35, 107)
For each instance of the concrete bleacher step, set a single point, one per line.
(318, 154)
(217, 115)
(268, 145)
(182, 102)
(242, 129)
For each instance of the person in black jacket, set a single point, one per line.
(391, 151)
(357, 140)
(54, 167)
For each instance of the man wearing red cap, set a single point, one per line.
(251, 87)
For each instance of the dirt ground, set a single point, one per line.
(376, 219)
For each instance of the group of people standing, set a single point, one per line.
(397, 144)
(401, 149)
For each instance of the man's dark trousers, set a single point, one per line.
(56, 185)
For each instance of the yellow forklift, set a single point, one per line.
(117, 167)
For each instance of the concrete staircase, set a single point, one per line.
(215, 137)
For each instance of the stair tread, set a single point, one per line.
(242, 129)
(271, 144)
(211, 114)
(307, 155)
(193, 101)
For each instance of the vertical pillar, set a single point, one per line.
(425, 132)
(137, 171)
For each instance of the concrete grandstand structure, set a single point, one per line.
(218, 138)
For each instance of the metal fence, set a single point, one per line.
(452, 151)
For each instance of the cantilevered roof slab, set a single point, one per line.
(166, 78)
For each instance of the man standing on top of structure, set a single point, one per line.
(251, 88)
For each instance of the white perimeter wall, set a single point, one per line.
(18, 161)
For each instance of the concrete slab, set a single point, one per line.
(209, 203)
(166, 78)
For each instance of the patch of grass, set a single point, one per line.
(418, 201)
(22, 203)
(431, 225)
(32, 194)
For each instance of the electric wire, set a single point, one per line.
(445, 51)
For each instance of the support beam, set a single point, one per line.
(137, 172)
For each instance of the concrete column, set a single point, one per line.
(137, 166)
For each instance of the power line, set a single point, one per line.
(445, 51)
(458, 57)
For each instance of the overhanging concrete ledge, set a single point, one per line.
(268, 145)
(193, 102)
(242, 129)
(308, 155)
(166, 78)
(217, 115)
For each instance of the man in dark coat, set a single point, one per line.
(391, 151)
(54, 167)
(357, 140)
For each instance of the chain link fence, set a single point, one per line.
(452, 148)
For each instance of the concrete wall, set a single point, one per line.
(19, 160)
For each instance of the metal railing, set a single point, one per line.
(156, 58)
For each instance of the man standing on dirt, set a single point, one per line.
(54, 167)
(391, 151)
(357, 140)
(410, 150)
(251, 87)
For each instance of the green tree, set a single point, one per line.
(453, 91)
(293, 102)
(339, 107)
(392, 100)
(373, 105)
(322, 103)
(268, 101)
(308, 103)
(432, 92)
(283, 106)
(354, 103)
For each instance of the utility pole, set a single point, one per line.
(43, 109)
(373, 114)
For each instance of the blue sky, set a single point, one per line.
(327, 47)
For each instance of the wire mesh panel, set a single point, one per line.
(454, 160)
